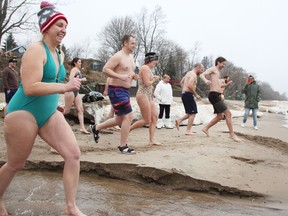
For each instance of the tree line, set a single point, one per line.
(149, 30)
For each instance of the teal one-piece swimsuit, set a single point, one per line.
(41, 107)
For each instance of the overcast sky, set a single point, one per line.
(252, 34)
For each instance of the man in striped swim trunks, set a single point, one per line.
(120, 68)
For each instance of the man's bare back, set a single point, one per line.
(189, 82)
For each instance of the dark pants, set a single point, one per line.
(8, 96)
(165, 107)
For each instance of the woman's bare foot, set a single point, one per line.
(177, 124)
(3, 211)
(154, 143)
(73, 211)
(204, 130)
(84, 131)
(235, 138)
(114, 128)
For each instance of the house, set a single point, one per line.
(15, 52)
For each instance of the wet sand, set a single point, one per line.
(256, 167)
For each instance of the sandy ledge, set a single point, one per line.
(255, 167)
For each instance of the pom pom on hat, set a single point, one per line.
(48, 15)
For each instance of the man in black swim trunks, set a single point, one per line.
(215, 98)
(188, 83)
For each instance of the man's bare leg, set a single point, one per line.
(125, 127)
(178, 121)
(230, 126)
(214, 121)
(189, 125)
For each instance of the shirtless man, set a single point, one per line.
(188, 83)
(120, 68)
(215, 97)
(225, 82)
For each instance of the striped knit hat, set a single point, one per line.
(48, 15)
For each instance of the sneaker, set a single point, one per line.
(126, 149)
(160, 124)
(168, 124)
(255, 127)
(243, 125)
(95, 133)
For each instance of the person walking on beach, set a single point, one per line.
(10, 79)
(215, 98)
(164, 95)
(188, 84)
(74, 97)
(252, 97)
(120, 68)
(225, 82)
(35, 106)
(144, 96)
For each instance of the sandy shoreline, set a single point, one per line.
(258, 164)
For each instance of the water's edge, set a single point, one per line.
(145, 175)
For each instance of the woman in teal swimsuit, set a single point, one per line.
(35, 107)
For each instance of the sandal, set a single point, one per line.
(126, 149)
(95, 133)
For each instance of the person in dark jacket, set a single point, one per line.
(252, 97)
(10, 81)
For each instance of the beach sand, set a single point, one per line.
(256, 167)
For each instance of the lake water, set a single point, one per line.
(41, 193)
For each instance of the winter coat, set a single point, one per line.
(252, 95)
(163, 93)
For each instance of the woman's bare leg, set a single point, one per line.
(152, 127)
(80, 112)
(145, 109)
(59, 135)
(19, 141)
(69, 98)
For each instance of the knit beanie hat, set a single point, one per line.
(48, 15)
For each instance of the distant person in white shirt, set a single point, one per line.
(164, 96)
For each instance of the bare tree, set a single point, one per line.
(172, 58)
(181, 61)
(194, 52)
(112, 34)
(15, 15)
(150, 28)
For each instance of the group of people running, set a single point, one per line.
(35, 103)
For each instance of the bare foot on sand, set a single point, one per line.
(235, 138)
(84, 131)
(115, 128)
(177, 124)
(204, 130)
(154, 144)
(73, 211)
(3, 211)
(190, 133)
